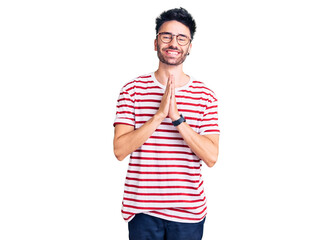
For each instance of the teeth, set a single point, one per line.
(173, 53)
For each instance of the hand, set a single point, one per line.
(163, 110)
(168, 106)
(173, 109)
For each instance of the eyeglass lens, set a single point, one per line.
(167, 37)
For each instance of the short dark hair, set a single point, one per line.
(179, 14)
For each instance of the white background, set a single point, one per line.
(62, 64)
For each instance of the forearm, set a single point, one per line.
(126, 143)
(204, 147)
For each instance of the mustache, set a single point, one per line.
(172, 48)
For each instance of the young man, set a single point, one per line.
(168, 123)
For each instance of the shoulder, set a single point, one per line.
(200, 86)
(138, 81)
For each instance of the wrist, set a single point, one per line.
(179, 121)
(158, 117)
(175, 117)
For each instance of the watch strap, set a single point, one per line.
(179, 121)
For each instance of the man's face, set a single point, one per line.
(172, 53)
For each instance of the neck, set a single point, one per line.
(164, 71)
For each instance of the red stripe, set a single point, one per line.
(139, 81)
(213, 131)
(160, 208)
(166, 130)
(209, 125)
(210, 119)
(125, 99)
(193, 92)
(146, 76)
(188, 212)
(200, 92)
(165, 145)
(144, 115)
(128, 84)
(126, 219)
(141, 208)
(163, 137)
(195, 98)
(140, 87)
(146, 107)
(161, 187)
(177, 96)
(164, 201)
(123, 123)
(165, 159)
(196, 81)
(192, 118)
(145, 94)
(214, 106)
(189, 110)
(148, 100)
(174, 216)
(165, 194)
(210, 113)
(128, 213)
(160, 166)
(124, 112)
(201, 87)
(191, 104)
(159, 173)
(125, 105)
(162, 180)
(166, 152)
(168, 124)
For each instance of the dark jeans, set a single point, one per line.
(145, 227)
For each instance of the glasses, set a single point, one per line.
(181, 39)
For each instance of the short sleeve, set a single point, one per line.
(125, 109)
(209, 122)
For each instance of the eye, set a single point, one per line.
(182, 39)
(166, 36)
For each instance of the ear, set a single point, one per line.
(155, 44)
(189, 48)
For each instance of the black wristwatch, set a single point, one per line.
(179, 121)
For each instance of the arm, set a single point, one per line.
(127, 139)
(206, 147)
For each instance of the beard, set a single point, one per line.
(172, 62)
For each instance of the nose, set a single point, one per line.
(174, 41)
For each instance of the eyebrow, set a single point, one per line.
(183, 35)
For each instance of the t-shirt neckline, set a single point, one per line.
(177, 89)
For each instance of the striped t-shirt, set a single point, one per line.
(164, 175)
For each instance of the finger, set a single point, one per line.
(173, 85)
(172, 90)
(169, 86)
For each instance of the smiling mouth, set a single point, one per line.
(172, 52)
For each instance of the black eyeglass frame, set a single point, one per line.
(175, 35)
